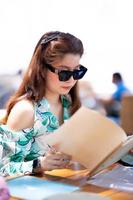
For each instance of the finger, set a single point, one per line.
(56, 157)
(65, 156)
(52, 167)
(57, 162)
(54, 164)
(52, 156)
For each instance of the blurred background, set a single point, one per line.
(104, 26)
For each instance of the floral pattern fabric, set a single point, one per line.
(19, 149)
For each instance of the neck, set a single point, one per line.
(53, 99)
(55, 105)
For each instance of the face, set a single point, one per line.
(54, 85)
(114, 80)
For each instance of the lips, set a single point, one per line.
(66, 87)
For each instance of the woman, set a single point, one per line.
(46, 98)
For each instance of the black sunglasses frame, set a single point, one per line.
(65, 75)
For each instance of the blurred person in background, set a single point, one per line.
(113, 104)
(9, 83)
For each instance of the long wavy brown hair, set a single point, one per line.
(46, 51)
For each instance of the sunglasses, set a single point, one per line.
(65, 75)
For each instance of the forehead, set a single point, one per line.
(69, 61)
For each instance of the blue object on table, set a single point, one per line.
(33, 188)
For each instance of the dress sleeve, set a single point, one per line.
(15, 149)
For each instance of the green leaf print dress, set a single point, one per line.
(19, 149)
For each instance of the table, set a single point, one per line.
(80, 179)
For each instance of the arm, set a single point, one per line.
(19, 144)
(14, 142)
(21, 116)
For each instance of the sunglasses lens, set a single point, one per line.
(78, 74)
(64, 75)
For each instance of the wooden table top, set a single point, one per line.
(80, 179)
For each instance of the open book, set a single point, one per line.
(93, 140)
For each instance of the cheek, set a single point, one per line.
(52, 78)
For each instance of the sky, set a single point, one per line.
(104, 26)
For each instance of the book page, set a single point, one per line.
(88, 137)
(116, 155)
(78, 196)
(66, 173)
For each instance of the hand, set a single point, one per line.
(55, 161)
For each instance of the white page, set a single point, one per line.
(78, 196)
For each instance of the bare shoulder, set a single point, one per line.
(21, 116)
